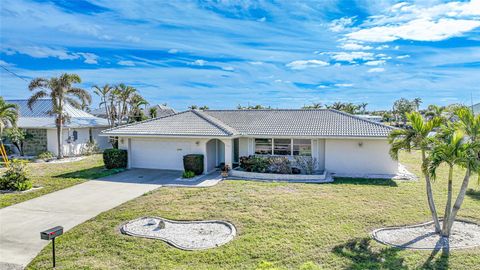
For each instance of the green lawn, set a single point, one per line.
(280, 226)
(52, 177)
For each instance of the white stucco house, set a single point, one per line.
(78, 131)
(342, 143)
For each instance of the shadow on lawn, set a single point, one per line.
(91, 173)
(364, 181)
(362, 256)
(474, 194)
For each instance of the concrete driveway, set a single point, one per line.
(21, 224)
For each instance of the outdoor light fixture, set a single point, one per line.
(51, 234)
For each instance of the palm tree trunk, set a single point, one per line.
(459, 200)
(448, 207)
(60, 139)
(431, 202)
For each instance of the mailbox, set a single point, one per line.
(51, 233)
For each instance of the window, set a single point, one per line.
(302, 147)
(263, 146)
(75, 135)
(282, 147)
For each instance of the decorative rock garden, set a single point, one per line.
(422, 236)
(187, 235)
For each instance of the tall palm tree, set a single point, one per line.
(153, 112)
(104, 92)
(135, 103)
(124, 94)
(61, 91)
(417, 136)
(470, 125)
(450, 150)
(8, 115)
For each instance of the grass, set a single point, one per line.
(280, 226)
(52, 177)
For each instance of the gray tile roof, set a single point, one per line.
(316, 123)
(187, 123)
(476, 108)
(40, 117)
(328, 123)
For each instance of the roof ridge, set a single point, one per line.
(216, 122)
(360, 118)
(141, 122)
(266, 110)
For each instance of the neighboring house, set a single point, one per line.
(374, 118)
(476, 108)
(162, 110)
(77, 132)
(342, 143)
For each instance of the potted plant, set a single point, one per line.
(225, 169)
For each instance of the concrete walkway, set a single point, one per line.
(21, 224)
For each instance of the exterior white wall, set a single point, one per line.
(318, 152)
(359, 157)
(101, 141)
(69, 149)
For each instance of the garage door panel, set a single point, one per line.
(158, 154)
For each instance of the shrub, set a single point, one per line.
(188, 174)
(8, 149)
(115, 158)
(46, 155)
(15, 177)
(306, 164)
(254, 163)
(90, 148)
(194, 163)
(279, 165)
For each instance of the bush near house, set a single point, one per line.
(188, 174)
(115, 158)
(46, 155)
(194, 163)
(15, 177)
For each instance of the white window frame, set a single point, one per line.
(272, 151)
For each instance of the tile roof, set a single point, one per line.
(187, 123)
(319, 123)
(40, 117)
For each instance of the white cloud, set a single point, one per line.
(419, 30)
(403, 56)
(339, 25)
(376, 70)
(5, 64)
(126, 63)
(228, 68)
(343, 84)
(133, 38)
(303, 64)
(351, 46)
(351, 56)
(256, 63)
(375, 63)
(198, 62)
(172, 51)
(90, 58)
(420, 23)
(43, 52)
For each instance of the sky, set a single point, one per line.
(283, 54)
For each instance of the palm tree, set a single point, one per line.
(124, 94)
(450, 150)
(8, 115)
(61, 91)
(416, 102)
(417, 136)
(135, 103)
(153, 112)
(434, 111)
(469, 124)
(104, 93)
(193, 107)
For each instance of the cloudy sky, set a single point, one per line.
(224, 53)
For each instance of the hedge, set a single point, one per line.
(115, 158)
(193, 163)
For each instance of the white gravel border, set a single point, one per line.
(428, 240)
(150, 232)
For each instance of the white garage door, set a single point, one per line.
(158, 154)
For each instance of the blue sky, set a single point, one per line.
(223, 53)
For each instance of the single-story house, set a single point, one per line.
(341, 143)
(77, 132)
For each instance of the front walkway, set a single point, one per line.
(21, 224)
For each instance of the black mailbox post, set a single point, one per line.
(51, 234)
